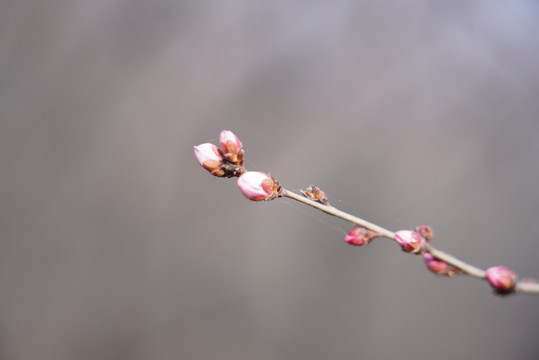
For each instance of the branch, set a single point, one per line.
(258, 186)
(328, 209)
(451, 260)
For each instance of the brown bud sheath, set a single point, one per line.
(314, 193)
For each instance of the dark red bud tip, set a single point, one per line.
(410, 241)
(360, 236)
(502, 279)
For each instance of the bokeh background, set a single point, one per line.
(115, 244)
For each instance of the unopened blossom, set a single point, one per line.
(410, 241)
(438, 266)
(231, 147)
(360, 236)
(210, 158)
(502, 279)
(258, 186)
(425, 231)
(314, 193)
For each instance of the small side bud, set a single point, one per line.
(360, 236)
(503, 280)
(410, 241)
(439, 267)
(314, 193)
(425, 231)
(210, 158)
(258, 186)
(231, 147)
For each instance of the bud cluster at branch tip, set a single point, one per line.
(259, 186)
(224, 162)
(410, 241)
(503, 280)
(314, 193)
(360, 236)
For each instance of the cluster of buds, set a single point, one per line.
(228, 162)
(224, 162)
(360, 236)
(437, 266)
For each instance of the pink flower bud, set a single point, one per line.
(439, 267)
(410, 241)
(231, 147)
(258, 186)
(360, 236)
(435, 265)
(210, 158)
(502, 279)
(425, 231)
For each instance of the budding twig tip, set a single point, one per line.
(227, 161)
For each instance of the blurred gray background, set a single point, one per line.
(116, 244)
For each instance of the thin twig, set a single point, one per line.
(258, 186)
(459, 264)
(339, 213)
(530, 288)
(527, 287)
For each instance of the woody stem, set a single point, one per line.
(527, 287)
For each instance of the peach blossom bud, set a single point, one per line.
(360, 236)
(435, 265)
(314, 193)
(231, 147)
(425, 231)
(502, 279)
(210, 158)
(410, 241)
(439, 267)
(258, 186)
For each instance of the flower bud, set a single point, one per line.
(258, 186)
(210, 158)
(315, 194)
(439, 267)
(410, 241)
(425, 231)
(231, 147)
(360, 236)
(502, 279)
